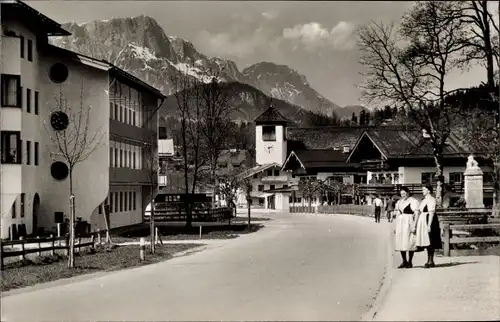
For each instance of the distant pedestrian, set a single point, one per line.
(390, 207)
(405, 239)
(428, 233)
(378, 207)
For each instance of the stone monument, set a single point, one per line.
(473, 187)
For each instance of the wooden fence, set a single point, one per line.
(50, 244)
(456, 225)
(360, 210)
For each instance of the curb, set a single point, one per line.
(386, 284)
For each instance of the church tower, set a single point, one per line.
(270, 137)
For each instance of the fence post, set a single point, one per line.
(23, 256)
(446, 237)
(39, 246)
(142, 248)
(92, 240)
(98, 237)
(79, 243)
(200, 231)
(53, 244)
(58, 229)
(67, 245)
(156, 235)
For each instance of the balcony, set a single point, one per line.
(128, 176)
(271, 179)
(387, 188)
(131, 132)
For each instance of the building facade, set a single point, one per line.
(47, 91)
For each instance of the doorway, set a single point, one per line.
(36, 209)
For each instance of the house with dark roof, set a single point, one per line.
(394, 156)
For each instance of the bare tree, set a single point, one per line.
(71, 137)
(151, 160)
(215, 121)
(408, 67)
(189, 102)
(310, 188)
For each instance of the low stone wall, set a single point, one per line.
(360, 210)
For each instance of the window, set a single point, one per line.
(133, 160)
(428, 177)
(271, 187)
(285, 186)
(36, 153)
(130, 159)
(99, 209)
(37, 101)
(30, 50)
(125, 116)
(134, 202)
(115, 115)
(121, 201)
(28, 100)
(110, 157)
(22, 46)
(261, 187)
(125, 201)
(117, 208)
(131, 204)
(111, 110)
(121, 113)
(14, 209)
(23, 196)
(276, 173)
(269, 133)
(133, 118)
(11, 90)
(116, 158)
(121, 158)
(28, 152)
(111, 204)
(455, 177)
(125, 158)
(269, 173)
(11, 147)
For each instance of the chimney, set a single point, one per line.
(425, 134)
(347, 149)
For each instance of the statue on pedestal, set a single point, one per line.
(471, 163)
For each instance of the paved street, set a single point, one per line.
(300, 267)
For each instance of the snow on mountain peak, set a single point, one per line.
(142, 52)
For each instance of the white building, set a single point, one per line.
(34, 181)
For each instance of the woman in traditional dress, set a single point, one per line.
(406, 209)
(428, 232)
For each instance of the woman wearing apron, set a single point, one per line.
(405, 239)
(428, 231)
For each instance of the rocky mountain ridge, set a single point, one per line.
(140, 46)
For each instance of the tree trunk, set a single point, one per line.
(248, 208)
(152, 220)
(496, 189)
(440, 181)
(71, 253)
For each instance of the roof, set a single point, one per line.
(271, 116)
(410, 143)
(257, 169)
(105, 65)
(31, 18)
(321, 138)
(322, 158)
(234, 157)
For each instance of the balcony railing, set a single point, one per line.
(131, 132)
(274, 179)
(131, 176)
(387, 188)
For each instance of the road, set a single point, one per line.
(300, 267)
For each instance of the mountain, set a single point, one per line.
(140, 46)
(346, 111)
(282, 82)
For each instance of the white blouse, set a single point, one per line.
(430, 202)
(402, 204)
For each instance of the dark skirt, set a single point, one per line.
(435, 234)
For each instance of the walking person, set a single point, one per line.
(378, 207)
(390, 207)
(405, 239)
(428, 233)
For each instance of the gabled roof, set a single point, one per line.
(20, 11)
(257, 169)
(105, 65)
(397, 143)
(322, 138)
(271, 116)
(323, 158)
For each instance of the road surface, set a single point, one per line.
(300, 267)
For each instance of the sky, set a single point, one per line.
(315, 38)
